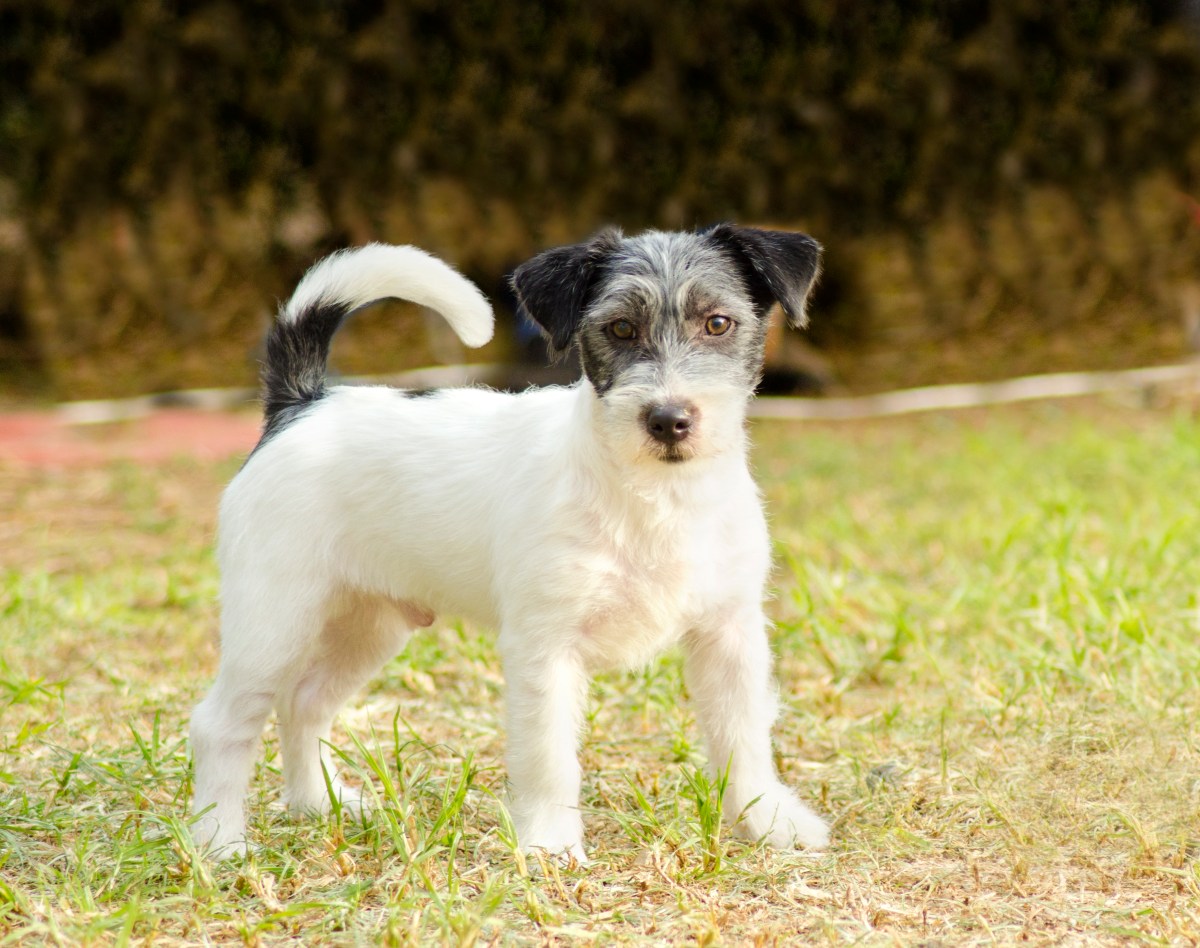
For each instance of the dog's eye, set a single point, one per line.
(623, 329)
(718, 325)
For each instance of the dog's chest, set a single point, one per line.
(644, 592)
(634, 610)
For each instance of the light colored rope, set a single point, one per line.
(882, 405)
(971, 395)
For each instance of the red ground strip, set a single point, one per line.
(43, 439)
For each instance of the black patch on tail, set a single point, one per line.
(293, 375)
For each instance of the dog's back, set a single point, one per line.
(370, 476)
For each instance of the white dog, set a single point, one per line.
(592, 526)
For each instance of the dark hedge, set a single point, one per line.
(168, 169)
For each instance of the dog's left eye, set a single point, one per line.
(623, 329)
(718, 325)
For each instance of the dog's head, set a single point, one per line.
(670, 327)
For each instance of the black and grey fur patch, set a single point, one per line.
(297, 353)
(293, 373)
(777, 266)
(555, 287)
(665, 286)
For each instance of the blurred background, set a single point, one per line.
(1002, 188)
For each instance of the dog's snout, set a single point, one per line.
(669, 424)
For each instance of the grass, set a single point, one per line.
(988, 632)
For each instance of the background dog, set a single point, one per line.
(592, 526)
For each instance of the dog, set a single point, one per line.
(591, 525)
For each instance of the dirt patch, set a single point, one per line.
(44, 439)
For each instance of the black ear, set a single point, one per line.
(777, 265)
(553, 288)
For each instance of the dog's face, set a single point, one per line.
(670, 328)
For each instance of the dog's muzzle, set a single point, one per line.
(669, 424)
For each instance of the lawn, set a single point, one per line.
(988, 640)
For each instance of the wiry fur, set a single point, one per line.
(556, 516)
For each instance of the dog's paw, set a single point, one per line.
(780, 820)
(553, 830)
(564, 856)
(352, 801)
(220, 842)
(234, 851)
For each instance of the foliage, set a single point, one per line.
(170, 168)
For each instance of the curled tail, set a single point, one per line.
(298, 343)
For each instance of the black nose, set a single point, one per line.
(669, 424)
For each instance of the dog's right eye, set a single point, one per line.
(622, 329)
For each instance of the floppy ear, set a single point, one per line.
(553, 288)
(777, 265)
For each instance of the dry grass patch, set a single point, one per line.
(987, 628)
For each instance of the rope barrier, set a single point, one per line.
(882, 405)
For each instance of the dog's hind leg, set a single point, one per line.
(354, 645)
(225, 731)
(259, 645)
(268, 628)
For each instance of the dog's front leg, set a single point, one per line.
(546, 694)
(728, 672)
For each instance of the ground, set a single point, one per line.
(46, 439)
(987, 636)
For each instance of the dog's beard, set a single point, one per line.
(671, 453)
